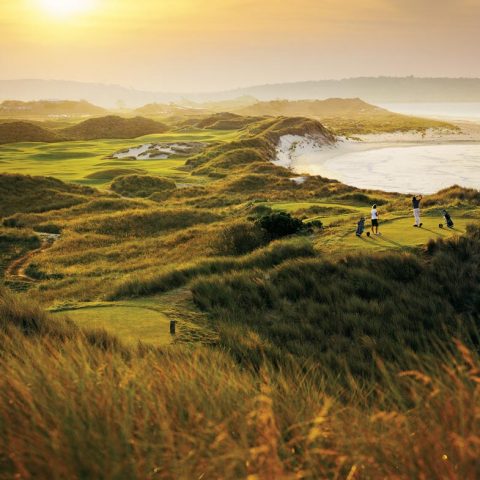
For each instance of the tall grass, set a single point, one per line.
(73, 408)
(349, 311)
(178, 276)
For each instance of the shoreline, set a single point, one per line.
(359, 163)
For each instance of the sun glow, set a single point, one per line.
(63, 8)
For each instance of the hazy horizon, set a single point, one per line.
(232, 89)
(185, 46)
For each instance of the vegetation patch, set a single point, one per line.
(141, 185)
(139, 223)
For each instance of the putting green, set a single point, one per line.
(129, 323)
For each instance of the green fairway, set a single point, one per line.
(397, 234)
(130, 323)
(78, 161)
(397, 231)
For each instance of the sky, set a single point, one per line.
(208, 45)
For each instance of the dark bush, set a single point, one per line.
(13, 222)
(48, 228)
(315, 224)
(279, 224)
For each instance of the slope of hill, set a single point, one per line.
(113, 126)
(16, 108)
(25, 194)
(12, 132)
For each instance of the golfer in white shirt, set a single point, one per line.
(374, 215)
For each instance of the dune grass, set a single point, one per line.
(94, 408)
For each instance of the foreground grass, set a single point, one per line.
(78, 404)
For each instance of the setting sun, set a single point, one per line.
(65, 7)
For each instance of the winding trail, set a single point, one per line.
(16, 271)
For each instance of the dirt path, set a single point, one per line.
(16, 271)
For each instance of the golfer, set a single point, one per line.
(416, 209)
(374, 214)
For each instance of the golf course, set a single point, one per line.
(284, 319)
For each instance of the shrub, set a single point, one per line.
(240, 238)
(279, 224)
(315, 224)
(13, 222)
(48, 228)
(33, 271)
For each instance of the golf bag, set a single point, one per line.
(448, 219)
(360, 227)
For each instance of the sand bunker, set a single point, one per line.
(160, 151)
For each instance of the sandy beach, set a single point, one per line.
(402, 161)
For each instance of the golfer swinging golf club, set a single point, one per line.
(416, 209)
(374, 215)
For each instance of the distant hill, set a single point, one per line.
(169, 109)
(113, 126)
(17, 108)
(317, 108)
(12, 132)
(371, 89)
(227, 105)
(188, 107)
